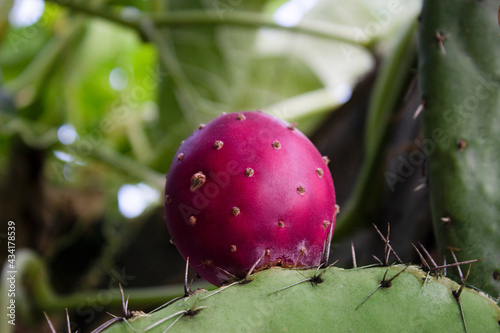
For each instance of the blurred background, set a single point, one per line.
(96, 96)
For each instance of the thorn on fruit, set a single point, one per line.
(277, 145)
(326, 223)
(249, 172)
(320, 172)
(268, 253)
(292, 126)
(192, 221)
(180, 157)
(218, 144)
(241, 117)
(235, 211)
(233, 248)
(301, 189)
(172, 241)
(303, 250)
(202, 126)
(281, 224)
(197, 180)
(326, 160)
(337, 209)
(168, 199)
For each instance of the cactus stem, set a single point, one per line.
(353, 253)
(440, 38)
(384, 283)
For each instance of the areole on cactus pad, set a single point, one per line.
(248, 190)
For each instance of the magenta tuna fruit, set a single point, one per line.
(248, 188)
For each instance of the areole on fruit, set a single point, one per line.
(249, 188)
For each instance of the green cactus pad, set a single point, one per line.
(459, 79)
(334, 302)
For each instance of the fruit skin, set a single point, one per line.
(414, 302)
(248, 186)
(459, 80)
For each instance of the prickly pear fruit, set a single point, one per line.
(245, 189)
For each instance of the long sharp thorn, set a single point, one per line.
(373, 292)
(124, 304)
(445, 271)
(353, 253)
(387, 252)
(421, 257)
(328, 242)
(52, 329)
(165, 305)
(427, 277)
(128, 324)
(68, 325)
(460, 263)
(220, 289)
(376, 258)
(389, 245)
(186, 290)
(428, 255)
(106, 325)
(399, 273)
(174, 322)
(165, 319)
(254, 265)
(292, 285)
(456, 261)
